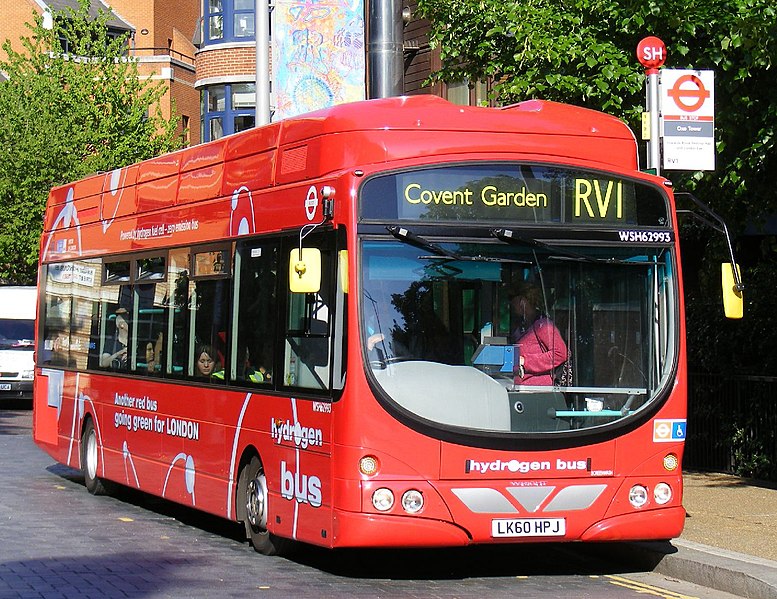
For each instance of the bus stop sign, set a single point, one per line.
(651, 52)
(687, 100)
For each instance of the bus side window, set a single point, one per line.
(254, 313)
(209, 306)
(70, 308)
(178, 343)
(114, 333)
(150, 328)
(110, 346)
(57, 319)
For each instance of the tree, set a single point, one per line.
(64, 116)
(583, 52)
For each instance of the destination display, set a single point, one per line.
(516, 193)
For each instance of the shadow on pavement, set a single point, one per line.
(118, 575)
(15, 417)
(529, 559)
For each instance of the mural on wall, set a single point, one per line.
(318, 55)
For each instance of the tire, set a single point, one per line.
(90, 460)
(252, 504)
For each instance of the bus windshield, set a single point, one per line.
(523, 337)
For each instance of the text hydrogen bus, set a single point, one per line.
(398, 322)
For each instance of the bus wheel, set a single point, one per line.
(252, 493)
(90, 460)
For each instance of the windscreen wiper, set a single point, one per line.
(439, 252)
(556, 252)
(409, 237)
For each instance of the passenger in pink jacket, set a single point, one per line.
(540, 346)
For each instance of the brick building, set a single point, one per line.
(226, 67)
(205, 51)
(160, 38)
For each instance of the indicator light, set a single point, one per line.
(671, 462)
(368, 465)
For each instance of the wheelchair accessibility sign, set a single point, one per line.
(665, 431)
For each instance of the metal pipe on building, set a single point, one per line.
(385, 57)
(262, 32)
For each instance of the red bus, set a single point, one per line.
(332, 329)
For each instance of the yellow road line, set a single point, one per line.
(646, 589)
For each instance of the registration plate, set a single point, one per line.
(5, 386)
(528, 527)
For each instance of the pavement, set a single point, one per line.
(730, 538)
(729, 542)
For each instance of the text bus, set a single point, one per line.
(368, 390)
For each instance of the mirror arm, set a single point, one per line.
(327, 214)
(721, 227)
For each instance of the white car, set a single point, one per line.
(17, 334)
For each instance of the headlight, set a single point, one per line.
(662, 493)
(383, 499)
(28, 374)
(412, 501)
(638, 496)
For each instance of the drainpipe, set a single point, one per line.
(261, 31)
(385, 58)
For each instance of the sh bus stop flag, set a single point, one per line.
(688, 119)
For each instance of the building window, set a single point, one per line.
(186, 133)
(243, 18)
(113, 33)
(214, 22)
(465, 94)
(229, 20)
(228, 109)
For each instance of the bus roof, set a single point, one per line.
(431, 113)
(351, 136)
(422, 114)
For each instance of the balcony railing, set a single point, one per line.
(141, 53)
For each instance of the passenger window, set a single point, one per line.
(179, 343)
(113, 335)
(70, 304)
(255, 313)
(209, 303)
(117, 271)
(151, 328)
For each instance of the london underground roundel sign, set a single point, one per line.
(651, 52)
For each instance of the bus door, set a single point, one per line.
(313, 375)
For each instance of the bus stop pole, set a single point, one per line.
(651, 53)
(654, 143)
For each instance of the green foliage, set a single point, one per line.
(584, 52)
(750, 456)
(65, 116)
(734, 346)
